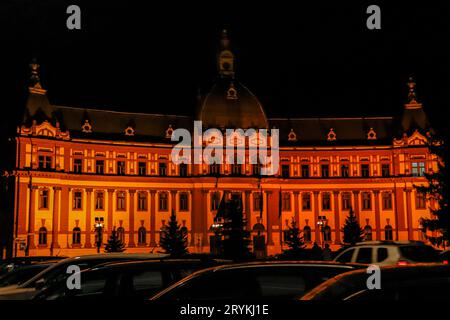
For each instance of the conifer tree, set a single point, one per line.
(294, 241)
(114, 244)
(353, 233)
(174, 238)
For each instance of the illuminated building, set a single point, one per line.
(77, 168)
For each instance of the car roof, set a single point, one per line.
(389, 243)
(143, 263)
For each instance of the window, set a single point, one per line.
(346, 200)
(142, 236)
(99, 200)
(345, 170)
(214, 169)
(418, 169)
(45, 162)
(42, 236)
(215, 200)
(382, 254)
(120, 201)
(326, 201)
(326, 234)
(121, 168)
(77, 200)
(385, 170)
(388, 233)
(286, 201)
(365, 170)
(307, 234)
(183, 170)
(43, 199)
(146, 283)
(99, 166)
(257, 201)
(78, 165)
(121, 234)
(366, 201)
(364, 256)
(236, 169)
(142, 168)
(285, 171)
(142, 201)
(305, 170)
(184, 201)
(163, 169)
(387, 200)
(306, 201)
(76, 236)
(346, 256)
(367, 233)
(325, 170)
(420, 200)
(163, 199)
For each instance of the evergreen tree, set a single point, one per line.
(294, 240)
(353, 233)
(174, 238)
(437, 190)
(236, 238)
(114, 244)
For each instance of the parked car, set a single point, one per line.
(385, 253)
(20, 275)
(58, 272)
(13, 263)
(254, 280)
(136, 279)
(420, 282)
(444, 256)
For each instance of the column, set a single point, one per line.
(204, 217)
(197, 209)
(152, 218)
(110, 210)
(296, 209)
(131, 219)
(316, 215)
(269, 222)
(337, 217)
(173, 201)
(399, 211)
(356, 204)
(409, 213)
(64, 213)
(55, 218)
(376, 196)
(248, 212)
(32, 217)
(87, 243)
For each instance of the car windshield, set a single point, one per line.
(419, 253)
(20, 275)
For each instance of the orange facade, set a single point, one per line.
(75, 166)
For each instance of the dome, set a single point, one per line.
(230, 104)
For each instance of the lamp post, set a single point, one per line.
(98, 233)
(320, 224)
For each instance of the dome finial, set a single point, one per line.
(412, 92)
(35, 80)
(226, 57)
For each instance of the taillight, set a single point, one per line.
(445, 262)
(402, 263)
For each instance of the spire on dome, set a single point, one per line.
(35, 80)
(225, 61)
(412, 98)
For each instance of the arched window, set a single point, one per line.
(368, 233)
(142, 236)
(121, 234)
(43, 236)
(307, 234)
(326, 233)
(76, 235)
(388, 233)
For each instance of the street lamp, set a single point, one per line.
(98, 233)
(320, 224)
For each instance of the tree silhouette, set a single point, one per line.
(174, 238)
(294, 241)
(353, 232)
(114, 244)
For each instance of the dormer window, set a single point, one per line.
(232, 93)
(331, 135)
(169, 132)
(129, 131)
(292, 136)
(371, 135)
(86, 127)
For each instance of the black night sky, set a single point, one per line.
(300, 60)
